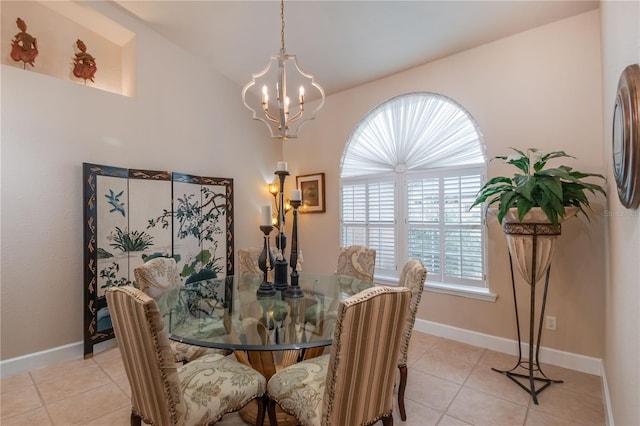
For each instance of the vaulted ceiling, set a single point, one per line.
(343, 43)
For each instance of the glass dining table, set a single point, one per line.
(266, 333)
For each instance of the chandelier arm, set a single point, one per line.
(271, 117)
(295, 117)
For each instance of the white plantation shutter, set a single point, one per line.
(410, 172)
(354, 215)
(463, 229)
(441, 231)
(423, 223)
(369, 219)
(382, 224)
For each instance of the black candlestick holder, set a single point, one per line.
(294, 290)
(280, 267)
(265, 263)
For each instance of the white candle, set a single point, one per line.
(266, 215)
(281, 166)
(296, 195)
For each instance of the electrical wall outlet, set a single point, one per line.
(550, 323)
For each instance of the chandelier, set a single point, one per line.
(267, 93)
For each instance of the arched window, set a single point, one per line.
(410, 171)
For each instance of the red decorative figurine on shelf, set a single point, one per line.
(84, 65)
(24, 47)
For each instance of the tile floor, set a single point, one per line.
(450, 383)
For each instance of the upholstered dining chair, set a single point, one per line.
(353, 261)
(157, 276)
(357, 261)
(248, 260)
(154, 278)
(200, 392)
(413, 276)
(353, 384)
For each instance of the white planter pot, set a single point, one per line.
(533, 236)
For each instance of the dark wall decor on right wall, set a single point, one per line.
(626, 137)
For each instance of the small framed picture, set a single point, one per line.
(312, 188)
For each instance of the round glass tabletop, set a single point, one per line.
(227, 313)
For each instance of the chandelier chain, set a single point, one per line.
(282, 19)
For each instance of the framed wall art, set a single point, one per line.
(313, 196)
(626, 137)
(133, 215)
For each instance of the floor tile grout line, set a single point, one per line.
(44, 406)
(446, 411)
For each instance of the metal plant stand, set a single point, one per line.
(531, 364)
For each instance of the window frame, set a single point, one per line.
(400, 174)
(442, 173)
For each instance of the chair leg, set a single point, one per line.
(401, 389)
(272, 412)
(387, 420)
(262, 400)
(136, 420)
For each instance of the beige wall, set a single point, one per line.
(621, 47)
(540, 88)
(184, 118)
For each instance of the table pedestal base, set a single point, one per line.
(264, 362)
(250, 412)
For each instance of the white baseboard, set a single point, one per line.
(607, 399)
(569, 360)
(563, 359)
(20, 364)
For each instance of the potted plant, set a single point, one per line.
(551, 190)
(530, 206)
(538, 196)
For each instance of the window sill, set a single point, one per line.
(464, 291)
(451, 289)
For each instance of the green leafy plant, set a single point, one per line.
(111, 275)
(126, 241)
(551, 189)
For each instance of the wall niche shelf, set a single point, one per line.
(57, 25)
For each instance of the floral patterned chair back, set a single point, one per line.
(154, 278)
(200, 392)
(248, 260)
(357, 261)
(158, 275)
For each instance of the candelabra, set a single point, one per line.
(265, 263)
(280, 275)
(294, 290)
